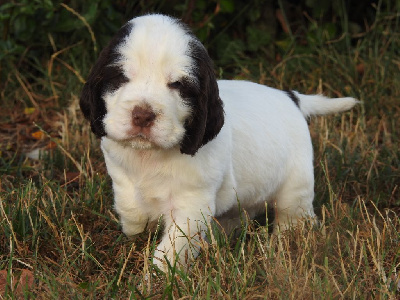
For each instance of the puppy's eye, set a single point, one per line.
(175, 85)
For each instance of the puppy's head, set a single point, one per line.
(153, 86)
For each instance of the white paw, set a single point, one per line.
(159, 260)
(131, 228)
(292, 223)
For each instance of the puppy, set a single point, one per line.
(180, 144)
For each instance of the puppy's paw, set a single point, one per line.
(159, 260)
(306, 223)
(131, 228)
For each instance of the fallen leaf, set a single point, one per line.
(38, 135)
(25, 282)
(35, 154)
(360, 68)
(71, 176)
(51, 145)
(29, 110)
(3, 282)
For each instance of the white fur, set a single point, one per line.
(262, 153)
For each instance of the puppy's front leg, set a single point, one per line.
(127, 200)
(127, 205)
(185, 228)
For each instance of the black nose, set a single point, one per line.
(142, 116)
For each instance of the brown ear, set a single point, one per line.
(207, 116)
(104, 76)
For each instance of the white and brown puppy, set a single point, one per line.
(180, 144)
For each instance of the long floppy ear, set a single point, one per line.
(207, 116)
(105, 75)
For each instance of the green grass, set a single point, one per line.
(58, 226)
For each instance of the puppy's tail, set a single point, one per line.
(321, 105)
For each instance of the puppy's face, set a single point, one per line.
(153, 86)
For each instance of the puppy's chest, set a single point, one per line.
(155, 187)
(159, 182)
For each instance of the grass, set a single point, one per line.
(60, 238)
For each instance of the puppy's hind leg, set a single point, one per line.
(294, 202)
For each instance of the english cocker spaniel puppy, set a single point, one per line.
(180, 144)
